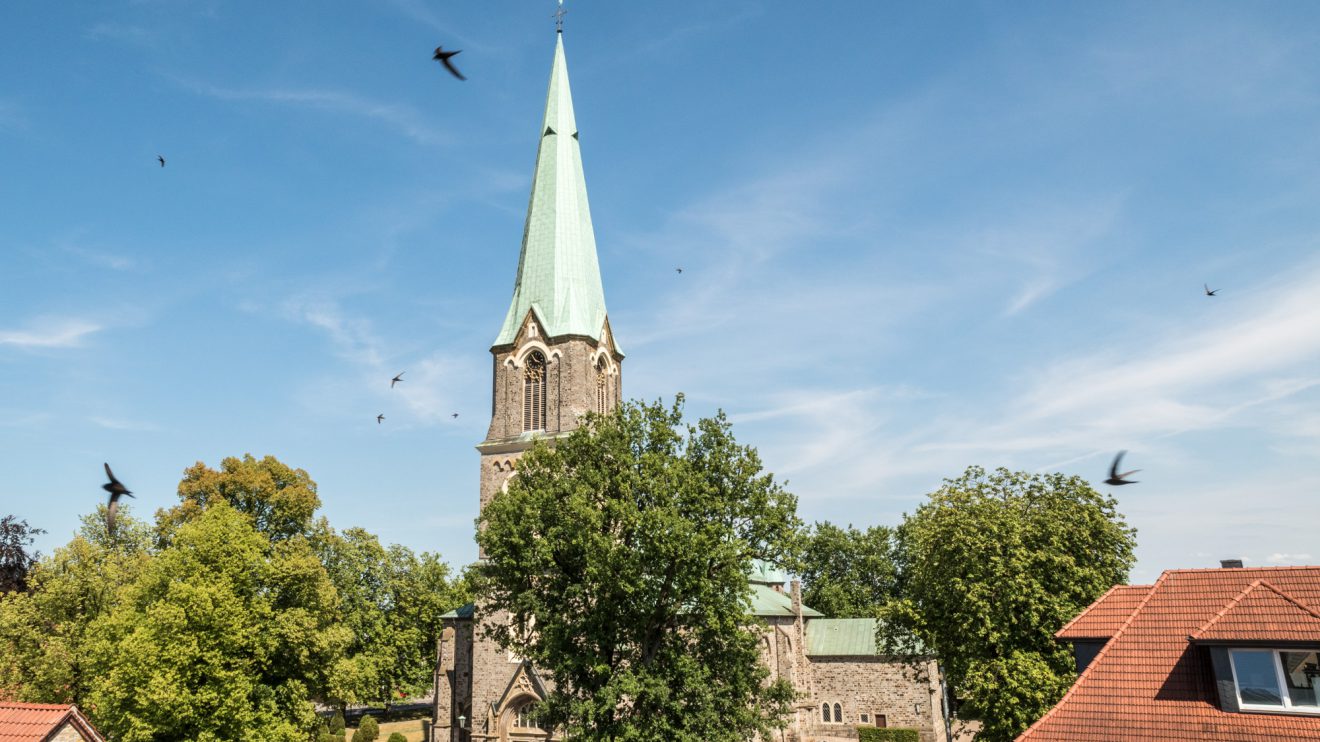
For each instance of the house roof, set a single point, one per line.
(1102, 618)
(38, 722)
(558, 273)
(841, 637)
(1151, 682)
(1262, 611)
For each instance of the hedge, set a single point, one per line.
(887, 734)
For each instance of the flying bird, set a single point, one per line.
(455, 415)
(680, 270)
(443, 56)
(1209, 291)
(116, 489)
(162, 160)
(1115, 478)
(380, 419)
(397, 379)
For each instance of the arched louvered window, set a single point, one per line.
(534, 392)
(602, 387)
(838, 714)
(825, 712)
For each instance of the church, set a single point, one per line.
(554, 360)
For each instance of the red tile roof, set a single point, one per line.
(1102, 618)
(1262, 611)
(1150, 682)
(38, 722)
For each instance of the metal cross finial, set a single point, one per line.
(559, 17)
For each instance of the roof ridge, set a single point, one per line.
(1248, 590)
(1154, 588)
(1087, 610)
(1220, 570)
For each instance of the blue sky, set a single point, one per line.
(914, 238)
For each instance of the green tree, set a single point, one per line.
(392, 600)
(991, 567)
(43, 633)
(16, 559)
(279, 500)
(621, 554)
(225, 634)
(846, 572)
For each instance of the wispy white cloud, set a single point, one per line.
(122, 32)
(111, 423)
(429, 392)
(50, 333)
(1279, 558)
(403, 118)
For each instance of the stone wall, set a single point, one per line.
(904, 696)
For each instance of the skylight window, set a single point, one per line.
(1276, 680)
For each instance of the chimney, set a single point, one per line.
(795, 592)
(1230, 564)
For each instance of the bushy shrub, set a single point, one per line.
(337, 723)
(397, 737)
(368, 730)
(887, 734)
(324, 736)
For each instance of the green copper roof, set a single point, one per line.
(841, 637)
(766, 573)
(558, 276)
(766, 601)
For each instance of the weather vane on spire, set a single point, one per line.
(559, 17)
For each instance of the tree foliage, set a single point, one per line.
(226, 618)
(16, 557)
(621, 555)
(991, 567)
(847, 572)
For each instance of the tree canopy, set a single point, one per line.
(226, 618)
(16, 557)
(847, 572)
(990, 568)
(621, 555)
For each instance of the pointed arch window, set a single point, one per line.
(534, 392)
(602, 387)
(825, 712)
(525, 716)
(838, 714)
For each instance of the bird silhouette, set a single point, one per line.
(1115, 478)
(454, 415)
(1209, 291)
(380, 419)
(443, 56)
(116, 489)
(162, 160)
(397, 379)
(680, 270)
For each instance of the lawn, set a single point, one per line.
(412, 729)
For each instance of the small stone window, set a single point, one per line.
(866, 718)
(825, 712)
(838, 714)
(534, 392)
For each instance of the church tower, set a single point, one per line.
(553, 361)
(555, 358)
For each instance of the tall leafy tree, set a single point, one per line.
(44, 632)
(16, 554)
(847, 572)
(226, 635)
(279, 500)
(621, 555)
(991, 567)
(392, 600)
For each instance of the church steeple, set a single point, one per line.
(555, 359)
(558, 274)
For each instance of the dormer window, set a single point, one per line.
(1276, 679)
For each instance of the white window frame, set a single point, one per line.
(1279, 678)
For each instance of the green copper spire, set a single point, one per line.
(558, 276)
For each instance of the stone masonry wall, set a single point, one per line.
(873, 685)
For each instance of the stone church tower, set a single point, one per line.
(555, 358)
(553, 361)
